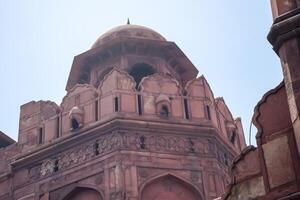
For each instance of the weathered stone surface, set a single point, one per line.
(135, 124)
(276, 117)
(275, 158)
(247, 190)
(278, 162)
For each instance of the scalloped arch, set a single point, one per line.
(160, 78)
(202, 81)
(121, 72)
(81, 87)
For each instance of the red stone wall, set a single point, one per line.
(166, 136)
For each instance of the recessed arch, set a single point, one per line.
(74, 124)
(68, 100)
(116, 79)
(169, 186)
(139, 71)
(164, 111)
(83, 193)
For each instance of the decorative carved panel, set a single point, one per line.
(122, 140)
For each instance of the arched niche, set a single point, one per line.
(195, 87)
(199, 87)
(76, 118)
(83, 193)
(81, 99)
(117, 93)
(160, 83)
(163, 106)
(169, 187)
(78, 95)
(156, 85)
(139, 71)
(116, 79)
(195, 92)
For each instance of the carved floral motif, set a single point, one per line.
(47, 167)
(129, 141)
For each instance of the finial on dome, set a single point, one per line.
(128, 22)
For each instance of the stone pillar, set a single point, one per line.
(119, 177)
(285, 38)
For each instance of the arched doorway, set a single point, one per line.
(169, 187)
(81, 193)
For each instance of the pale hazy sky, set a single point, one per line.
(226, 41)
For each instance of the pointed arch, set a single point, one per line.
(169, 186)
(80, 192)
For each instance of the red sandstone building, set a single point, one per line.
(136, 123)
(272, 170)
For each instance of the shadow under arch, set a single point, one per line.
(82, 192)
(140, 70)
(169, 186)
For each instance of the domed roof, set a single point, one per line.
(128, 31)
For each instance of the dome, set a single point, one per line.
(128, 31)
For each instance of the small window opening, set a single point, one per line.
(96, 110)
(75, 124)
(208, 112)
(55, 169)
(164, 112)
(232, 138)
(139, 99)
(186, 108)
(96, 148)
(116, 101)
(40, 135)
(142, 142)
(139, 71)
(57, 127)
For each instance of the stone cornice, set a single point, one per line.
(285, 27)
(135, 125)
